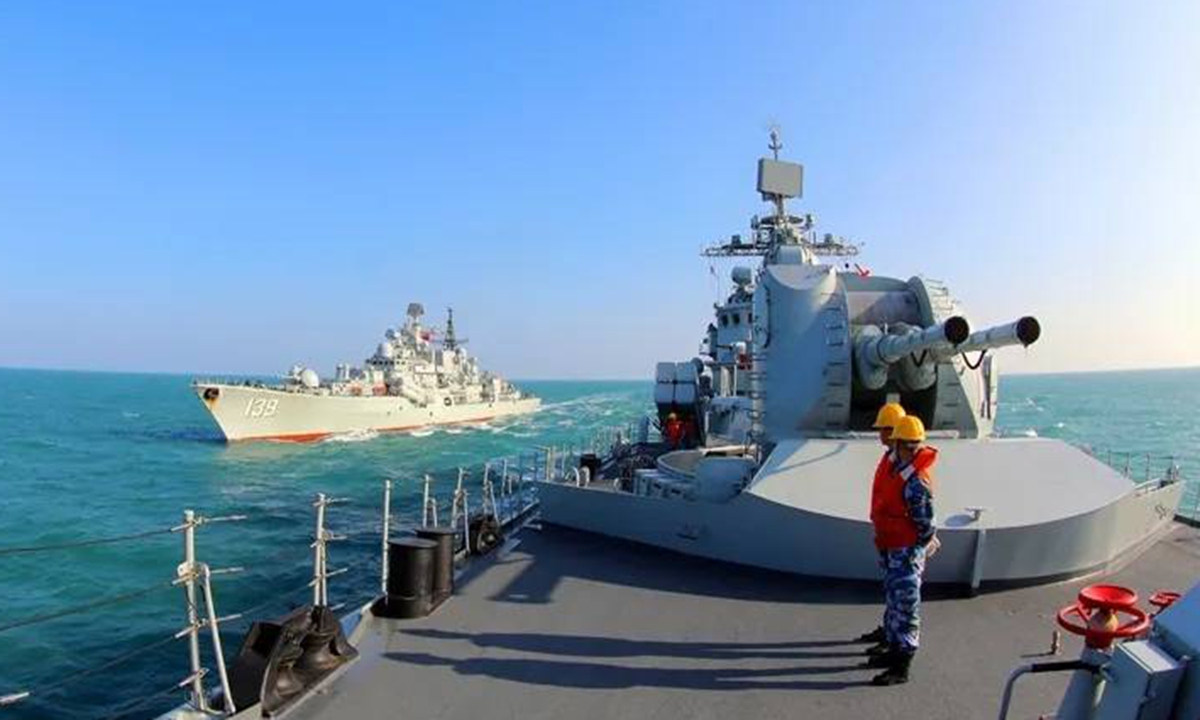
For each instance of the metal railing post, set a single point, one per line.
(428, 504)
(218, 653)
(189, 588)
(387, 517)
(459, 509)
(318, 553)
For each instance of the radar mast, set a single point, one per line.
(779, 180)
(450, 340)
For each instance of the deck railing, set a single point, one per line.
(509, 494)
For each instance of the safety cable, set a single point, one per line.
(85, 672)
(140, 702)
(83, 543)
(243, 615)
(34, 619)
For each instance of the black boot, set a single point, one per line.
(896, 672)
(879, 648)
(880, 660)
(875, 636)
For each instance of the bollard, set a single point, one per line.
(410, 579)
(443, 560)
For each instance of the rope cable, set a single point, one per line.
(83, 543)
(115, 599)
(85, 672)
(129, 708)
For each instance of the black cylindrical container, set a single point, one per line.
(443, 559)
(410, 578)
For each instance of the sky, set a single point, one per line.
(221, 188)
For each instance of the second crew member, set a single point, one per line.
(905, 533)
(885, 423)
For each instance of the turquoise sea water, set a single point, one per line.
(99, 454)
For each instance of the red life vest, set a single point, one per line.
(889, 513)
(674, 431)
(881, 472)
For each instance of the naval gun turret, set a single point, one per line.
(828, 343)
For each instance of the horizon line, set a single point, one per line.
(646, 378)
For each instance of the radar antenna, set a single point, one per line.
(779, 180)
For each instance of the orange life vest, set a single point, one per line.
(674, 431)
(881, 472)
(889, 513)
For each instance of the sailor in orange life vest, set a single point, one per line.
(673, 431)
(885, 423)
(902, 513)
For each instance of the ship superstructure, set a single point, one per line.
(416, 377)
(768, 441)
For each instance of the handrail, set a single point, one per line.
(1036, 668)
(76, 609)
(145, 700)
(14, 698)
(85, 543)
(196, 578)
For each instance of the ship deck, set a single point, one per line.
(569, 624)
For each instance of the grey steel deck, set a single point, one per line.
(575, 625)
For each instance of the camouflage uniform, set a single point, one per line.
(903, 568)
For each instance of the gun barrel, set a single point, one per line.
(875, 351)
(892, 348)
(1025, 331)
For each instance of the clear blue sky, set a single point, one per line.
(232, 187)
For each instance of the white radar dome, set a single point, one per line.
(742, 275)
(309, 378)
(386, 350)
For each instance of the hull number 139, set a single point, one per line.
(261, 407)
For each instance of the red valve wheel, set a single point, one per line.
(1111, 599)
(1108, 597)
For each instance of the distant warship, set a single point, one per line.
(413, 380)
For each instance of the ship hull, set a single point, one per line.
(246, 412)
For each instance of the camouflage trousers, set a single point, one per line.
(902, 570)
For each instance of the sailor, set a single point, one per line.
(906, 535)
(885, 423)
(673, 430)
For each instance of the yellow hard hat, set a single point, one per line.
(909, 429)
(889, 415)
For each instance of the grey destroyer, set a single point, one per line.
(414, 379)
(773, 446)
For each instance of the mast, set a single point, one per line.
(780, 212)
(779, 180)
(450, 342)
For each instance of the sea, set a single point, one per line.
(87, 455)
